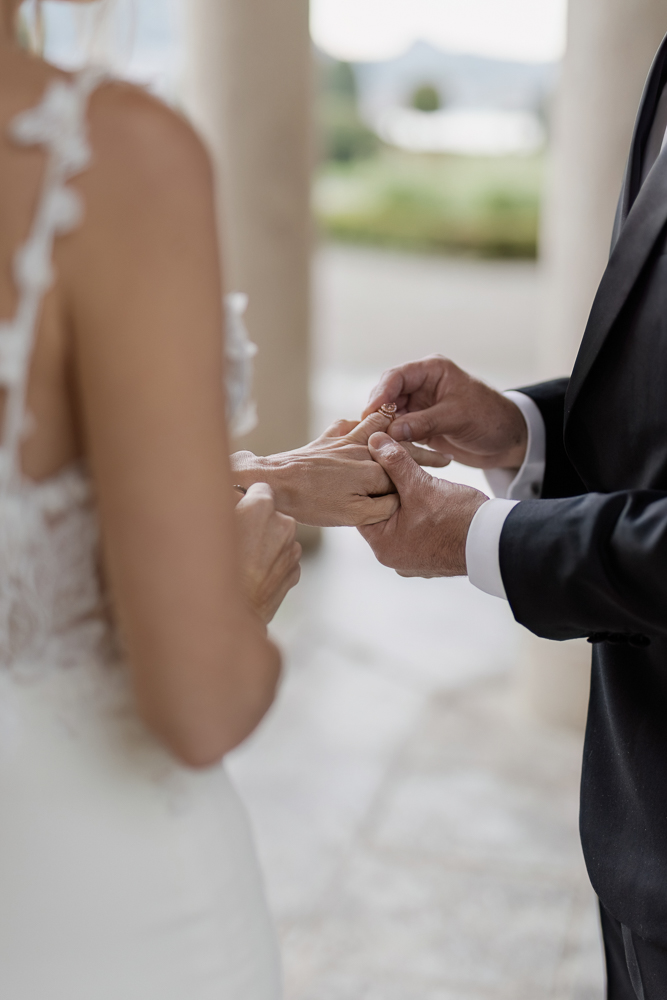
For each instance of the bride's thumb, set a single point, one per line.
(401, 468)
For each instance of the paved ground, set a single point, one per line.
(375, 309)
(417, 830)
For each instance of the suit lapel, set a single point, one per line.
(646, 220)
(640, 133)
(639, 220)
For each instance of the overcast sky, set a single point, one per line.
(359, 30)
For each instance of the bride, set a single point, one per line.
(133, 597)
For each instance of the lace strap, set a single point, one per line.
(59, 124)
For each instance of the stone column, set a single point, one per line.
(610, 46)
(248, 87)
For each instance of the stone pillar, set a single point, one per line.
(248, 88)
(610, 46)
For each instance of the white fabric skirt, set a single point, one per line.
(123, 876)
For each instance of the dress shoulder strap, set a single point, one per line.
(58, 123)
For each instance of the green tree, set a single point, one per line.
(345, 137)
(342, 81)
(426, 98)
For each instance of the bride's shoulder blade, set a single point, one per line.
(149, 212)
(143, 149)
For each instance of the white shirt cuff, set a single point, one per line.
(483, 546)
(526, 484)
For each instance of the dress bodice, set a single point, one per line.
(53, 607)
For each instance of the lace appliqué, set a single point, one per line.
(52, 605)
(59, 124)
(54, 625)
(239, 354)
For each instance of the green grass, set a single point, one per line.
(483, 206)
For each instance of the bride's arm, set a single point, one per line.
(143, 283)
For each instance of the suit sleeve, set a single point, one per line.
(560, 476)
(590, 565)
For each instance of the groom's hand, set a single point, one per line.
(445, 408)
(426, 536)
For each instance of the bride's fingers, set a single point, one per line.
(373, 423)
(288, 560)
(280, 593)
(426, 457)
(340, 428)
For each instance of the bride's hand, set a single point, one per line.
(268, 550)
(332, 481)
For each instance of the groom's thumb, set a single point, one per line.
(399, 466)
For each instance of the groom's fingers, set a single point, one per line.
(388, 390)
(392, 387)
(426, 457)
(403, 471)
(397, 384)
(419, 425)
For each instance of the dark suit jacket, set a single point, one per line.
(590, 558)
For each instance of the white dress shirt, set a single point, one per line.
(483, 541)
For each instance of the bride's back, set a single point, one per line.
(125, 378)
(123, 872)
(131, 135)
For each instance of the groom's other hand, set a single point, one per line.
(442, 406)
(426, 536)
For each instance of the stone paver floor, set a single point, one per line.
(417, 830)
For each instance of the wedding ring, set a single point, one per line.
(388, 410)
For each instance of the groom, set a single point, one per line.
(578, 545)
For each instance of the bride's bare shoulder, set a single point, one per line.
(148, 192)
(142, 144)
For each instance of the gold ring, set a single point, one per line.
(388, 410)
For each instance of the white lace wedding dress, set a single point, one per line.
(123, 875)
